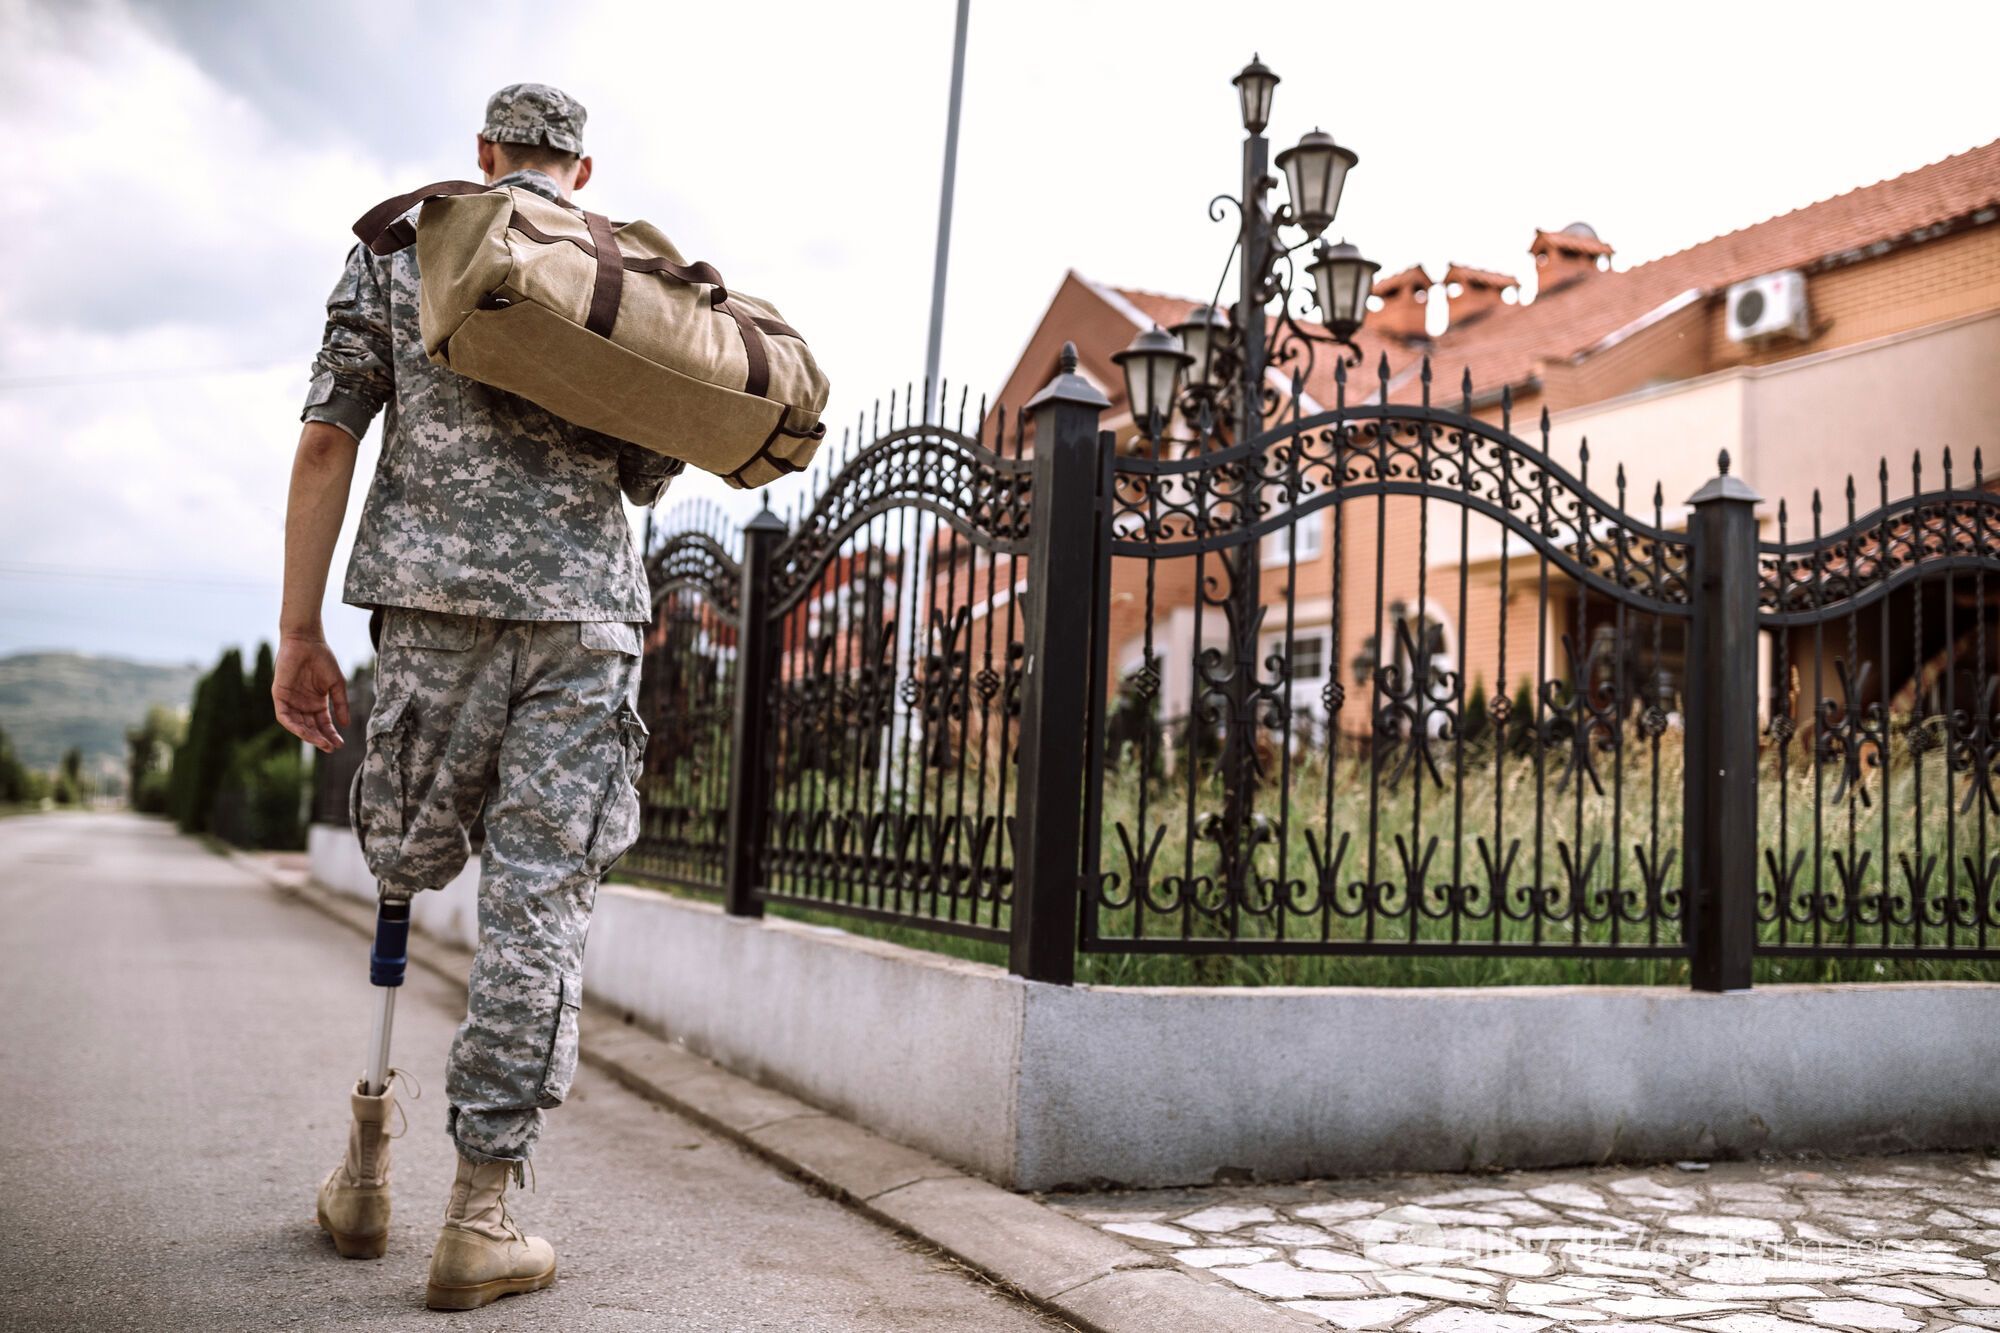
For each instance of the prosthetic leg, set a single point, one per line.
(353, 1204)
(387, 961)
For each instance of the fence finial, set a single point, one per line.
(1068, 386)
(1723, 486)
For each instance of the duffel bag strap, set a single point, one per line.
(609, 288)
(696, 274)
(757, 379)
(382, 228)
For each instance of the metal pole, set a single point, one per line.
(1239, 760)
(1720, 814)
(376, 1076)
(936, 341)
(750, 736)
(914, 568)
(1057, 677)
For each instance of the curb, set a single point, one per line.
(1052, 1261)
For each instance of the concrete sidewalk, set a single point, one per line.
(180, 1040)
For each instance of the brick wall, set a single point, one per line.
(1905, 289)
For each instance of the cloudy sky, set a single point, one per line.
(184, 175)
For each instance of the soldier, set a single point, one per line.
(510, 602)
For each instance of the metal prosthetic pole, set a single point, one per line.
(386, 963)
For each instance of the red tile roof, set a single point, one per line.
(1507, 347)
(1575, 243)
(1413, 276)
(1479, 277)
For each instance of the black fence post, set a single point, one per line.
(1055, 702)
(749, 751)
(1720, 814)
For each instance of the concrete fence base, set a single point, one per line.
(1038, 1086)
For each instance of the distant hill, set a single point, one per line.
(52, 701)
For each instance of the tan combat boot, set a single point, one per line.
(354, 1199)
(481, 1255)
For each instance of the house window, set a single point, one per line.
(1278, 548)
(1308, 659)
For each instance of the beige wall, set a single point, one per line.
(1805, 423)
(1811, 423)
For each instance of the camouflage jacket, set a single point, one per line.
(482, 503)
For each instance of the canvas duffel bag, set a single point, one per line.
(606, 326)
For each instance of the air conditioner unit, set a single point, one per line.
(1771, 306)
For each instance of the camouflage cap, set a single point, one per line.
(535, 113)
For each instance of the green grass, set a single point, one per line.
(1512, 798)
(1337, 970)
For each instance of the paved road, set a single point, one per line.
(178, 1041)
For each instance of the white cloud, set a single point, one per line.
(183, 176)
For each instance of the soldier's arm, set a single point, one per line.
(644, 475)
(352, 377)
(307, 685)
(351, 380)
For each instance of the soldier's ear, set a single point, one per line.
(487, 165)
(582, 172)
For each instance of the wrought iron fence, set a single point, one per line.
(1385, 678)
(1882, 749)
(895, 673)
(687, 694)
(1399, 818)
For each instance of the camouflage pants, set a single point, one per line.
(532, 723)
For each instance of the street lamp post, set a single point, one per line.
(1215, 370)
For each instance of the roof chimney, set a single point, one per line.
(1403, 298)
(1473, 292)
(1567, 256)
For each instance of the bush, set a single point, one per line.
(236, 774)
(257, 804)
(150, 797)
(71, 788)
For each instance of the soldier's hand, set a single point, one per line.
(310, 692)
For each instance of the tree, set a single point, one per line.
(1521, 720)
(215, 725)
(260, 712)
(150, 749)
(225, 726)
(18, 783)
(258, 804)
(183, 795)
(1473, 728)
(237, 773)
(69, 786)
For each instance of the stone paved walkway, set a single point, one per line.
(1905, 1244)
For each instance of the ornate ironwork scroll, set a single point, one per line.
(1419, 779)
(895, 613)
(687, 697)
(1877, 790)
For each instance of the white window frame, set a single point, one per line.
(1274, 644)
